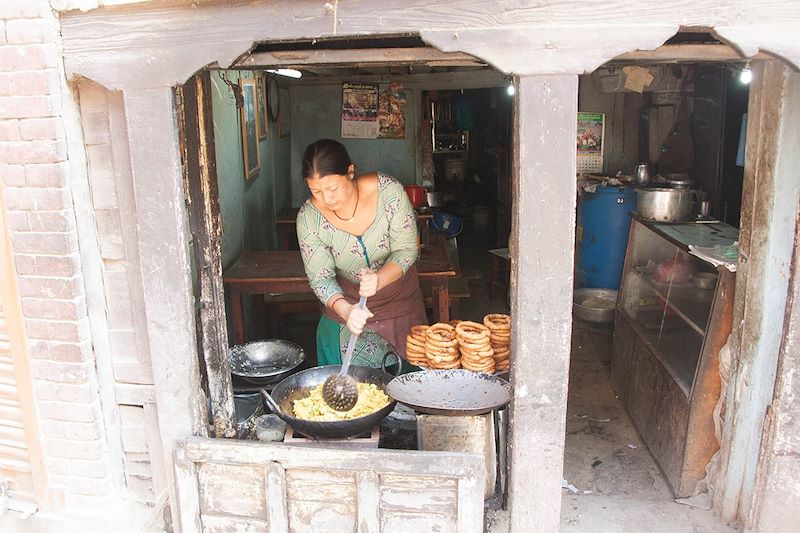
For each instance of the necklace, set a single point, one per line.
(353, 216)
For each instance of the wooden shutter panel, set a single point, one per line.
(21, 467)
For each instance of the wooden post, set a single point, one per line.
(200, 176)
(770, 196)
(541, 305)
(164, 263)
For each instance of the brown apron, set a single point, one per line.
(396, 307)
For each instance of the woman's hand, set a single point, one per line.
(357, 319)
(369, 283)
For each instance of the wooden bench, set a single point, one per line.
(278, 305)
(458, 287)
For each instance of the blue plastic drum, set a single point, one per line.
(603, 224)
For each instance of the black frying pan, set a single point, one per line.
(298, 386)
(450, 392)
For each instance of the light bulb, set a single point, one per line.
(511, 90)
(746, 75)
(290, 72)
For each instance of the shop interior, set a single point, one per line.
(683, 125)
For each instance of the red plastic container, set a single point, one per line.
(416, 194)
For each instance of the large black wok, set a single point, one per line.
(299, 386)
(451, 392)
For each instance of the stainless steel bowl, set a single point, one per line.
(265, 362)
(583, 300)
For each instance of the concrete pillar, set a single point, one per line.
(541, 278)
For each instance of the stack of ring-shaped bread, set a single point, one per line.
(415, 346)
(500, 336)
(441, 347)
(475, 347)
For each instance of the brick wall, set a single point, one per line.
(36, 176)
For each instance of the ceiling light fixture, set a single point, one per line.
(511, 90)
(746, 75)
(288, 72)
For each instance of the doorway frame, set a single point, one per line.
(152, 135)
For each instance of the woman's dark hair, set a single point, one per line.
(325, 157)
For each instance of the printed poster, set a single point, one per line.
(589, 145)
(360, 111)
(392, 112)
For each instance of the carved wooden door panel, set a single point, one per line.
(242, 486)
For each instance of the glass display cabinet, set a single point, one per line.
(673, 315)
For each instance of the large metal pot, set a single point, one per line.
(665, 204)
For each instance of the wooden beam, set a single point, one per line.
(205, 224)
(361, 57)
(689, 52)
(541, 304)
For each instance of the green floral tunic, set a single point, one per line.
(328, 251)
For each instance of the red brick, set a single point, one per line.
(47, 287)
(9, 130)
(29, 106)
(57, 330)
(22, 9)
(33, 151)
(30, 199)
(70, 412)
(38, 129)
(13, 175)
(75, 449)
(80, 430)
(44, 243)
(25, 263)
(28, 57)
(30, 83)
(81, 486)
(78, 394)
(51, 221)
(58, 266)
(18, 221)
(60, 352)
(24, 31)
(59, 467)
(53, 309)
(46, 392)
(61, 372)
(46, 175)
(90, 469)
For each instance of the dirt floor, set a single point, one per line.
(614, 483)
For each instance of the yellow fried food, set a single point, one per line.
(313, 406)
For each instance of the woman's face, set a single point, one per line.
(332, 191)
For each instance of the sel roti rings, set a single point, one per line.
(415, 346)
(441, 347)
(474, 341)
(499, 326)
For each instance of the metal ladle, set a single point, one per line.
(340, 391)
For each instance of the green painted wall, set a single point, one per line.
(316, 114)
(248, 206)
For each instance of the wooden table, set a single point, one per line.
(286, 220)
(282, 272)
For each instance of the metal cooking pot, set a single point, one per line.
(434, 198)
(299, 385)
(665, 204)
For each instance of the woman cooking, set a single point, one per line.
(358, 237)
